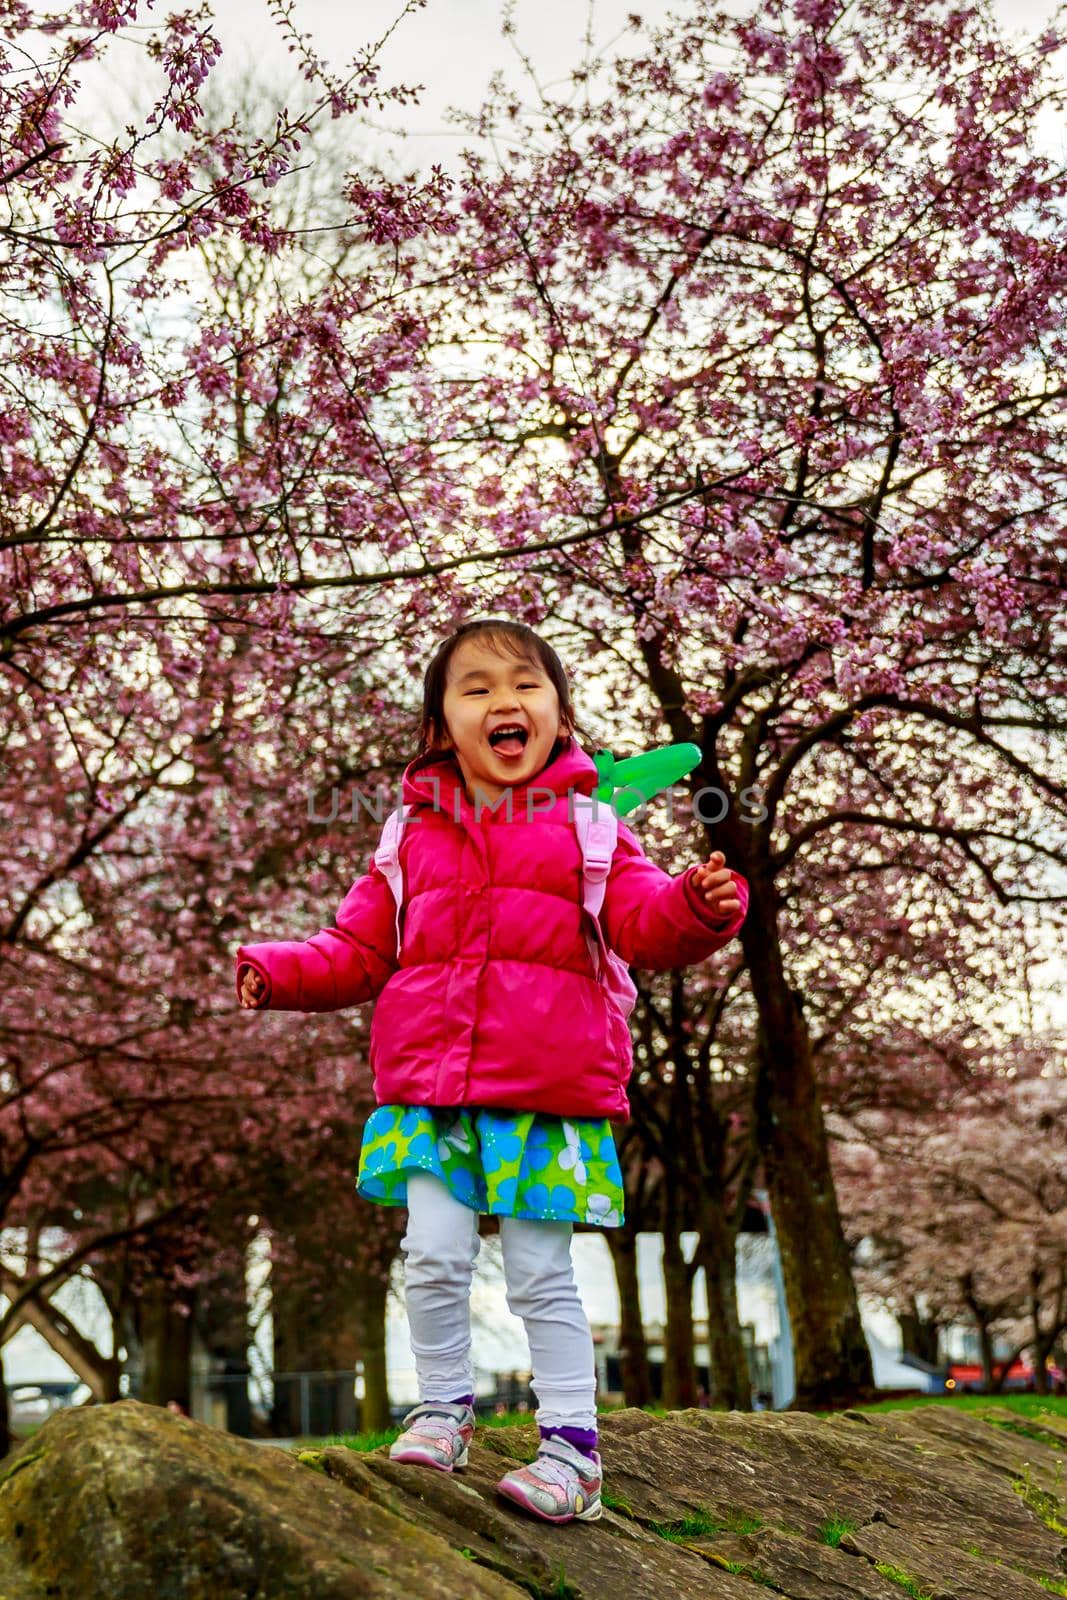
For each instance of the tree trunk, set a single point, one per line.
(233, 1380)
(5, 1415)
(222, 1321)
(347, 1326)
(918, 1337)
(633, 1350)
(166, 1339)
(984, 1317)
(369, 1311)
(1045, 1338)
(832, 1361)
(679, 1359)
(988, 1364)
(831, 1358)
(1044, 1351)
(731, 1381)
(100, 1373)
(297, 1355)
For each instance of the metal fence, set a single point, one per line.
(290, 1405)
(278, 1404)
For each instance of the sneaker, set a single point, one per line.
(560, 1485)
(437, 1434)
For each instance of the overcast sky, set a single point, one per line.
(452, 47)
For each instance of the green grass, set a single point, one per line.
(704, 1524)
(834, 1530)
(359, 1441)
(25, 1430)
(699, 1524)
(560, 1590)
(372, 1441)
(1040, 1433)
(1026, 1405)
(909, 1585)
(561, 1587)
(1042, 1502)
(1053, 1585)
(510, 1419)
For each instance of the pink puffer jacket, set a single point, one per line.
(494, 1001)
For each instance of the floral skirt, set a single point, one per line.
(505, 1163)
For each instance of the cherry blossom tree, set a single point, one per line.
(149, 1081)
(964, 1213)
(121, 698)
(757, 391)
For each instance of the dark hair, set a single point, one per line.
(500, 634)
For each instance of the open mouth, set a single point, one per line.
(509, 741)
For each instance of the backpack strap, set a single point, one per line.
(597, 825)
(387, 859)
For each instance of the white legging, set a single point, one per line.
(440, 1248)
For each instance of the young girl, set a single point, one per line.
(499, 1060)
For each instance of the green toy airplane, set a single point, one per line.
(640, 778)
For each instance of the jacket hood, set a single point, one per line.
(434, 779)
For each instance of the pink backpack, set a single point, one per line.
(597, 825)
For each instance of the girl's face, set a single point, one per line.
(486, 692)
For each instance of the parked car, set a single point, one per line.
(30, 1404)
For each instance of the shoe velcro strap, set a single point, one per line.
(437, 1408)
(561, 1450)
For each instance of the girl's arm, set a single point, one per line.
(657, 922)
(345, 965)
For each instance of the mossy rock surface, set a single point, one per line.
(129, 1502)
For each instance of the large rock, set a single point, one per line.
(933, 1496)
(126, 1502)
(131, 1502)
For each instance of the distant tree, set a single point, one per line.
(965, 1211)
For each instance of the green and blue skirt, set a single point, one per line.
(504, 1163)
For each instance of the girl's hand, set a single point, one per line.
(714, 882)
(253, 989)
